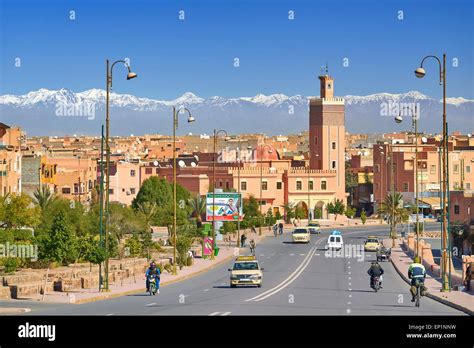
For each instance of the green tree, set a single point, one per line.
(155, 190)
(60, 244)
(198, 207)
(337, 208)
(289, 212)
(392, 207)
(351, 181)
(318, 213)
(17, 210)
(350, 212)
(363, 216)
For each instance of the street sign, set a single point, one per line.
(413, 218)
(225, 207)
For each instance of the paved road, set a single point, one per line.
(298, 280)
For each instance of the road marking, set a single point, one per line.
(317, 254)
(206, 289)
(348, 311)
(262, 254)
(349, 303)
(219, 313)
(348, 272)
(350, 284)
(350, 296)
(350, 278)
(292, 254)
(350, 289)
(302, 254)
(291, 278)
(150, 304)
(108, 315)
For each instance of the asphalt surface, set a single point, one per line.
(299, 279)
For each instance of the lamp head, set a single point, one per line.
(191, 119)
(131, 75)
(399, 119)
(420, 72)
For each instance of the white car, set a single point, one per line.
(335, 242)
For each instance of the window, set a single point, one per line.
(220, 183)
(264, 185)
(227, 185)
(433, 169)
(132, 191)
(299, 185)
(468, 185)
(456, 168)
(333, 164)
(405, 187)
(323, 184)
(468, 169)
(333, 145)
(310, 185)
(456, 209)
(148, 170)
(243, 186)
(279, 185)
(377, 168)
(262, 202)
(66, 190)
(111, 191)
(132, 173)
(315, 140)
(157, 171)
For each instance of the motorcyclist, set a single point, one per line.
(153, 271)
(375, 271)
(252, 246)
(417, 271)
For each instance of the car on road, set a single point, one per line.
(301, 235)
(314, 227)
(335, 240)
(372, 244)
(246, 271)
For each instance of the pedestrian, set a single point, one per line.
(468, 278)
(253, 229)
(242, 240)
(280, 226)
(275, 230)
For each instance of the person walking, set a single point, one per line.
(468, 278)
(280, 227)
(275, 230)
(243, 238)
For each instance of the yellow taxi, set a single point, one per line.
(246, 271)
(372, 244)
(301, 235)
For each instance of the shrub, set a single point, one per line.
(168, 267)
(189, 261)
(10, 264)
(363, 216)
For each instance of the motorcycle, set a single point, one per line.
(152, 285)
(376, 284)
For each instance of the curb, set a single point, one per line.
(433, 297)
(7, 311)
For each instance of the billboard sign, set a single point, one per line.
(225, 207)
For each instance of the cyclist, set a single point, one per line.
(417, 272)
(252, 246)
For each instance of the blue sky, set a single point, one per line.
(276, 55)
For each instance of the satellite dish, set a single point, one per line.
(181, 163)
(193, 164)
(424, 140)
(131, 135)
(119, 151)
(155, 163)
(196, 157)
(469, 135)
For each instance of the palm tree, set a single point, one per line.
(290, 211)
(198, 205)
(44, 197)
(148, 210)
(392, 207)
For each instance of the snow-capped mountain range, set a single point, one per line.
(57, 112)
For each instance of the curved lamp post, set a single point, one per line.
(109, 74)
(175, 126)
(216, 134)
(445, 255)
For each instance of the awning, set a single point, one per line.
(433, 202)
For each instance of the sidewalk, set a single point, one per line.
(464, 301)
(130, 286)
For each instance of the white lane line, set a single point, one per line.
(292, 254)
(348, 272)
(226, 313)
(287, 281)
(348, 311)
(206, 289)
(350, 284)
(150, 304)
(302, 254)
(350, 278)
(350, 289)
(350, 296)
(219, 313)
(108, 315)
(215, 313)
(349, 303)
(317, 254)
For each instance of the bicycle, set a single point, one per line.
(418, 293)
(252, 249)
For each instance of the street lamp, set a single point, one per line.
(216, 134)
(109, 74)
(445, 255)
(175, 126)
(262, 148)
(415, 117)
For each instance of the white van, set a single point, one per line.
(335, 242)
